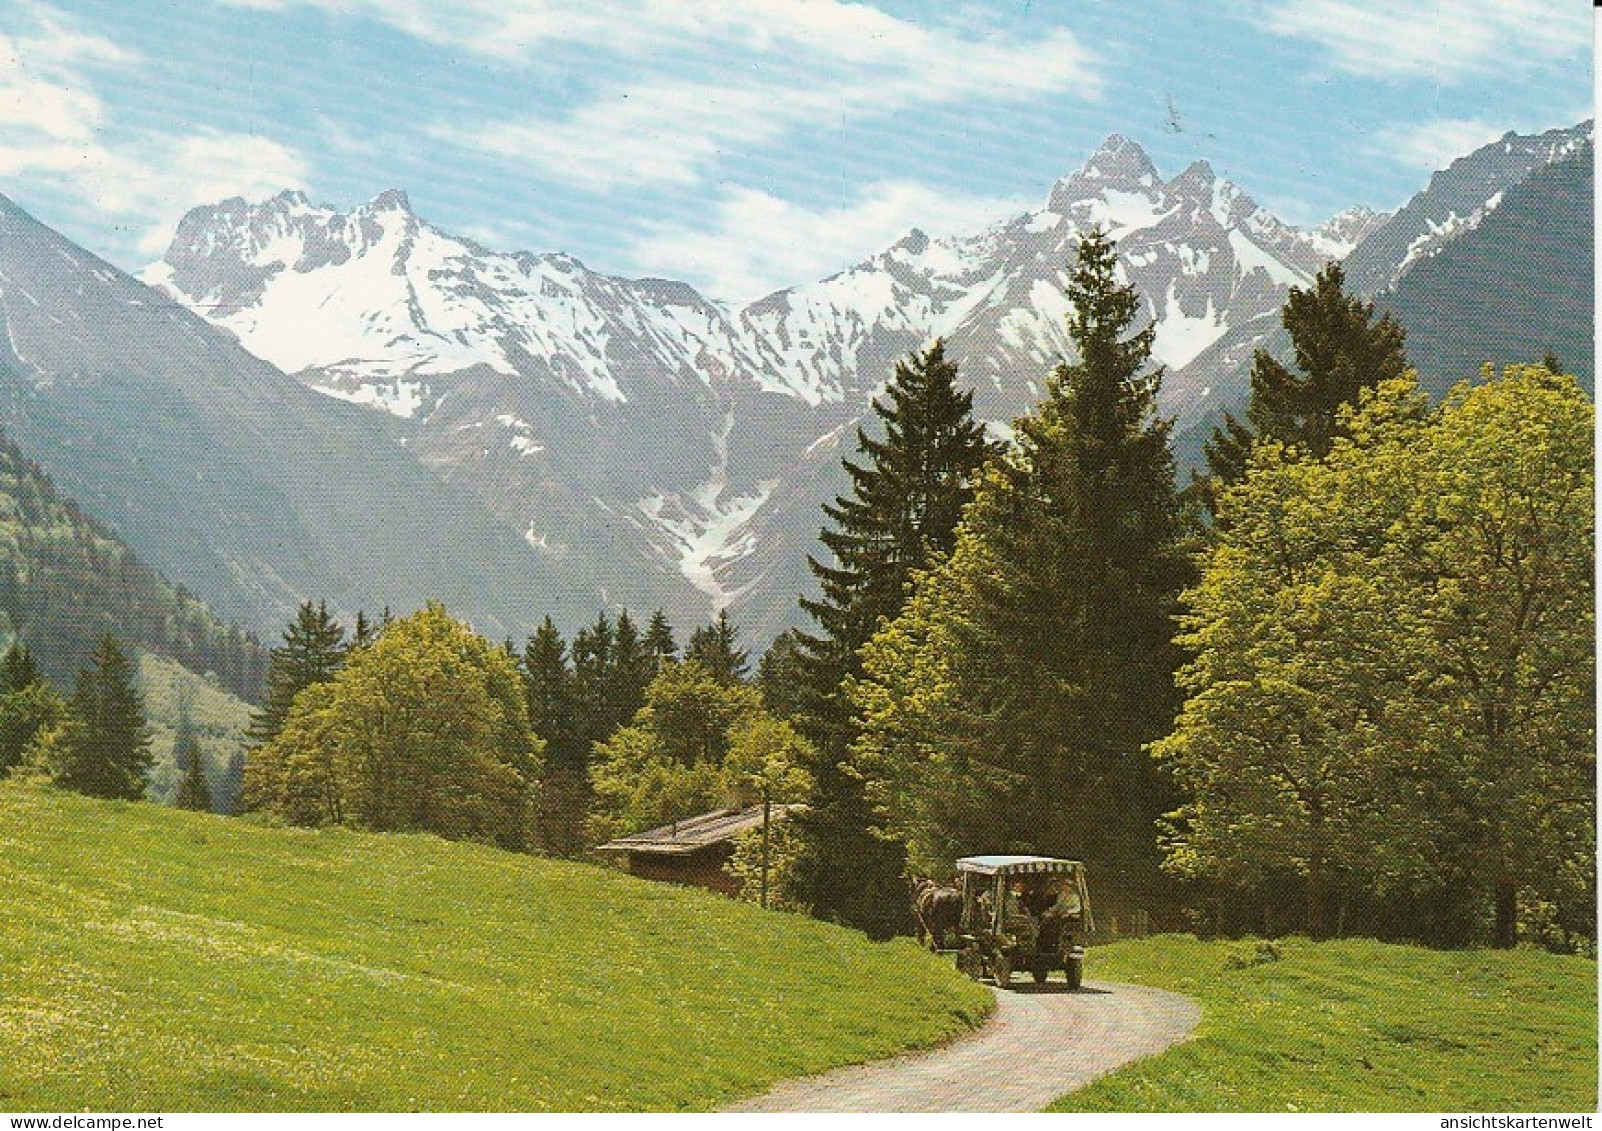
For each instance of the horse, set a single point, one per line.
(936, 908)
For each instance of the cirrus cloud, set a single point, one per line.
(754, 243)
(1433, 38)
(54, 129)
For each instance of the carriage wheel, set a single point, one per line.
(1001, 969)
(1076, 973)
(1041, 970)
(970, 963)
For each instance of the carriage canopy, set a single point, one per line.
(1018, 865)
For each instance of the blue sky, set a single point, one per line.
(748, 145)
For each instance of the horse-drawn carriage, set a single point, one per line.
(1022, 913)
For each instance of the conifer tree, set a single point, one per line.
(907, 496)
(564, 796)
(548, 686)
(364, 633)
(1007, 709)
(1340, 350)
(780, 676)
(108, 754)
(629, 673)
(592, 663)
(659, 642)
(716, 648)
(18, 669)
(28, 706)
(193, 792)
(312, 652)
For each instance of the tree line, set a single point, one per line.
(1339, 682)
(420, 724)
(66, 582)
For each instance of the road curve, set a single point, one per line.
(1041, 1041)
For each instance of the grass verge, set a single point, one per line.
(158, 960)
(1356, 1025)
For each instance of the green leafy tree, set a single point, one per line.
(907, 495)
(1340, 350)
(1007, 708)
(1392, 688)
(28, 707)
(668, 763)
(108, 752)
(766, 765)
(426, 729)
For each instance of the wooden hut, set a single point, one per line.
(695, 850)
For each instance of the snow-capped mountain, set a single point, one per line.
(680, 448)
(229, 476)
(1457, 199)
(1452, 206)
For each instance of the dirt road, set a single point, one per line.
(1042, 1041)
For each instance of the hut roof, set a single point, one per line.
(694, 833)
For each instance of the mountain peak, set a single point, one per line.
(390, 200)
(1196, 173)
(1119, 158)
(1117, 163)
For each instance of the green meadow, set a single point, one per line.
(152, 959)
(1358, 1026)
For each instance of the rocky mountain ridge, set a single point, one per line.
(653, 447)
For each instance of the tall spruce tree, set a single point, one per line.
(716, 647)
(18, 669)
(548, 686)
(108, 753)
(780, 676)
(1340, 349)
(592, 664)
(193, 792)
(1007, 709)
(907, 496)
(630, 672)
(563, 801)
(313, 651)
(659, 642)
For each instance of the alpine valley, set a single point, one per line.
(520, 435)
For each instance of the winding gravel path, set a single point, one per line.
(1041, 1041)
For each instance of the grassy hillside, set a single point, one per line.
(219, 720)
(154, 959)
(1359, 1026)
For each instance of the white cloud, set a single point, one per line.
(1433, 38)
(672, 129)
(755, 243)
(779, 65)
(53, 129)
(1434, 144)
(163, 177)
(44, 98)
